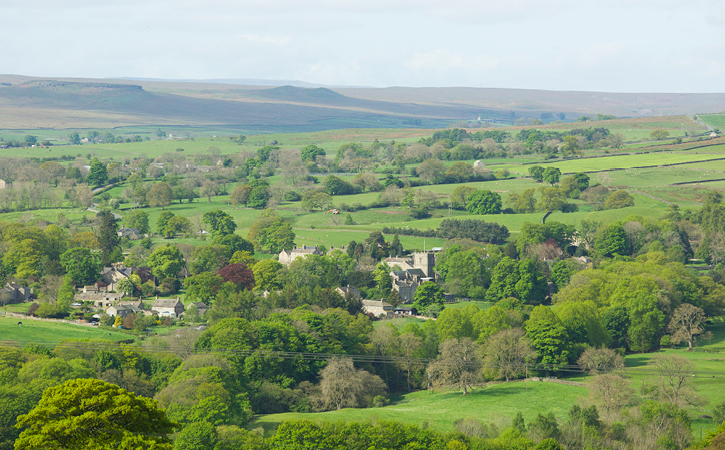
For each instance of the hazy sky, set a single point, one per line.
(612, 45)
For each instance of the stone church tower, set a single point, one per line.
(425, 261)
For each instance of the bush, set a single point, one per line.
(292, 196)
(379, 401)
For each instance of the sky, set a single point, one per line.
(589, 45)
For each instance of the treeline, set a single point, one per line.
(477, 230)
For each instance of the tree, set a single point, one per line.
(108, 239)
(344, 386)
(582, 180)
(265, 274)
(523, 203)
(241, 195)
(548, 337)
(196, 436)
(311, 152)
(537, 173)
(220, 222)
(176, 225)
(159, 195)
(509, 351)
(466, 274)
(203, 287)
(166, 261)
(80, 265)
(207, 258)
(137, 219)
(674, 373)
(551, 175)
(98, 175)
(163, 219)
(688, 322)
(54, 171)
(93, 414)
(430, 169)
(458, 364)
(459, 172)
(428, 294)
(126, 286)
(315, 200)
(239, 274)
(337, 186)
(483, 202)
(646, 321)
(570, 146)
(272, 232)
(619, 199)
(600, 360)
(459, 197)
(659, 135)
(74, 138)
(519, 279)
(234, 243)
(616, 140)
(611, 391)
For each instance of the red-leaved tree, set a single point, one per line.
(238, 274)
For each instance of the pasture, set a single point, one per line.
(497, 403)
(46, 331)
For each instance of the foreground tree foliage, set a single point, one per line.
(92, 414)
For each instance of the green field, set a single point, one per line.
(39, 330)
(499, 402)
(496, 402)
(716, 121)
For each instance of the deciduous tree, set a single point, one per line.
(687, 323)
(93, 414)
(458, 364)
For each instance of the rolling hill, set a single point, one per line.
(27, 103)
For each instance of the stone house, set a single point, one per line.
(114, 274)
(377, 308)
(168, 307)
(200, 307)
(99, 299)
(131, 234)
(287, 256)
(351, 290)
(14, 293)
(5, 184)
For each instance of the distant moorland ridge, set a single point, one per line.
(60, 103)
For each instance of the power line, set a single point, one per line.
(325, 357)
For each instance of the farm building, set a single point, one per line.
(168, 307)
(377, 308)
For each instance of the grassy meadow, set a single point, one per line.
(440, 409)
(44, 331)
(499, 402)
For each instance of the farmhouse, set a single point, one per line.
(348, 290)
(168, 307)
(99, 297)
(118, 311)
(131, 234)
(5, 184)
(377, 308)
(287, 256)
(200, 307)
(14, 293)
(114, 274)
